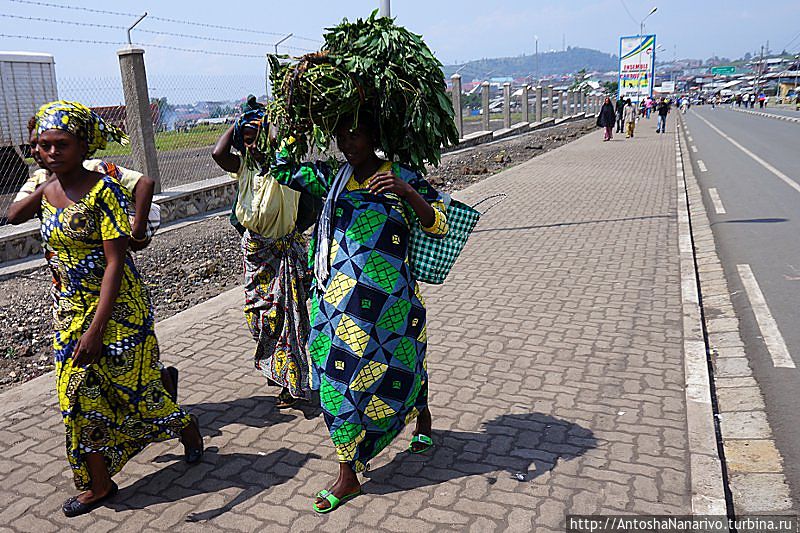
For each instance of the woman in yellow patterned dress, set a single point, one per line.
(107, 364)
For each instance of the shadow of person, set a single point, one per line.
(253, 473)
(524, 446)
(256, 411)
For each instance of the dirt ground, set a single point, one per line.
(187, 266)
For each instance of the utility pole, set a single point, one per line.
(386, 8)
(536, 37)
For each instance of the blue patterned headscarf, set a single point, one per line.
(79, 120)
(254, 119)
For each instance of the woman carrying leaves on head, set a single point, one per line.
(107, 361)
(368, 336)
(274, 251)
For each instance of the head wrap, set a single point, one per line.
(79, 120)
(253, 118)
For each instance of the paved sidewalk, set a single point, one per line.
(555, 354)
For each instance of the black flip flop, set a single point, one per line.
(194, 455)
(72, 507)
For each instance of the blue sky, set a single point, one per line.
(457, 30)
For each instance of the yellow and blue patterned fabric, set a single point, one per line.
(368, 337)
(117, 406)
(79, 120)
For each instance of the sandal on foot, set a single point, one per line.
(73, 507)
(194, 455)
(285, 400)
(420, 439)
(332, 500)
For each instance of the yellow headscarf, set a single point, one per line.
(79, 120)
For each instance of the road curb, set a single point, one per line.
(732, 378)
(768, 115)
(707, 478)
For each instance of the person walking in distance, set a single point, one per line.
(606, 119)
(663, 111)
(620, 121)
(629, 117)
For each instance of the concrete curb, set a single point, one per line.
(744, 430)
(768, 115)
(706, 478)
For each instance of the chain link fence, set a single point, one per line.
(189, 113)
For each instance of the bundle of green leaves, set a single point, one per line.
(369, 65)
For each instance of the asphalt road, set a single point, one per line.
(760, 228)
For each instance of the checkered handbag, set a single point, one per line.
(431, 257)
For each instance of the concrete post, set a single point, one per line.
(582, 100)
(137, 112)
(539, 102)
(506, 105)
(560, 97)
(459, 114)
(485, 87)
(569, 100)
(550, 101)
(526, 109)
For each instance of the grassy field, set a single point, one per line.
(203, 135)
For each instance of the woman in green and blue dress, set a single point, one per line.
(368, 336)
(110, 392)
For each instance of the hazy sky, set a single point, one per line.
(455, 30)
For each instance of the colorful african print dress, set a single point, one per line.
(368, 337)
(117, 406)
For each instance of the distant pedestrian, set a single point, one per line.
(112, 400)
(663, 111)
(620, 121)
(648, 106)
(606, 119)
(629, 116)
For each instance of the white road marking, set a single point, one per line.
(701, 166)
(694, 149)
(690, 139)
(717, 201)
(766, 323)
(786, 179)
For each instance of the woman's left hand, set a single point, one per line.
(385, 182)
(88, 349)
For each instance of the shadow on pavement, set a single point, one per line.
(522, 446)
(253, 473)
(578, 223)
(256, 411)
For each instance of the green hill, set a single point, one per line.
(550, 63)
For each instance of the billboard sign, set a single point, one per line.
(636, 66)
(667, 86)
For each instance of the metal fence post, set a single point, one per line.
(506, 105)
(538, 115)
(138, 117)
(550, 101)
(526, 109)
(456, 94)
(485, 87)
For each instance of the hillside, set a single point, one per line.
(550, 63)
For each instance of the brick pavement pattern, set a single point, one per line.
(555, 353)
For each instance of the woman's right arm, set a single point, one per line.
(227, 161)
(27, 207)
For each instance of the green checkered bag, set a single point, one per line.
(432, 257)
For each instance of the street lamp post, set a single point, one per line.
(386, 8)
(536, 38)
(267, 66)
(641, 34)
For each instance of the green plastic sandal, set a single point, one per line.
(333, 500)
(420, 439)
